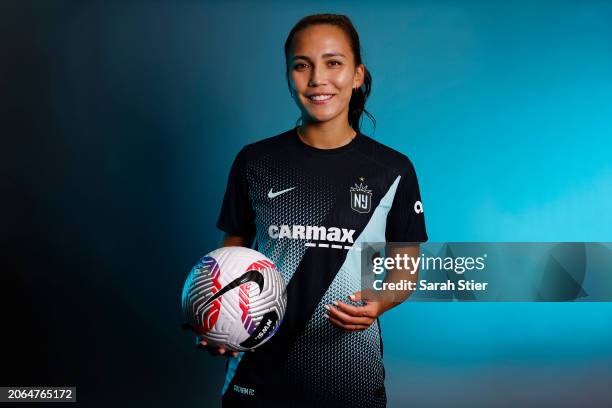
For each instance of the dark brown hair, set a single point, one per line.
(359, 97)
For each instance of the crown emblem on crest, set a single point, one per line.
(360, 188)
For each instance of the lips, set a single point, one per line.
(320, 99)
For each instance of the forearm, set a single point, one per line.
(408, 278)
(390, 299)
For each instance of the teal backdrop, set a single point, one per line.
(123, 119)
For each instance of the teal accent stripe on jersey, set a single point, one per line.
(231, 370)
(374, 231)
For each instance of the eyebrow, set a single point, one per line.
(326, 55)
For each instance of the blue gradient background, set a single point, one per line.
(503, 107)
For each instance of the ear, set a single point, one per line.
(359, 76)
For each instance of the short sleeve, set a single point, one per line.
(406, 220)
(237, 216)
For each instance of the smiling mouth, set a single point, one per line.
(320, 99)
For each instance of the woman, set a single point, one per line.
(304, 198)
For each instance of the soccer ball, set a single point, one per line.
(234, 297)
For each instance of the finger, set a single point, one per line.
(203, 342)
(221, 350)
(355, 297)
(348, 327)
(365, 296)
(353, 316)
(234, 354)
(362, 311)
(213, 351)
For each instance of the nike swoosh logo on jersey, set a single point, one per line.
(276, 194)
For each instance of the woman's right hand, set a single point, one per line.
(214, 350)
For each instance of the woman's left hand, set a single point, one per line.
(354, 318)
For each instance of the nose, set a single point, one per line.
(317, 76)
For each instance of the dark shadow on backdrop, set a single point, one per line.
(97, 234)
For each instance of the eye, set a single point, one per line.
(334, 61)
(299, 66)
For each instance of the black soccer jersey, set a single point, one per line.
(306, 208)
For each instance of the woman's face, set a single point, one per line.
(321, 62)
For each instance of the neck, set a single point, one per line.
(326, 135)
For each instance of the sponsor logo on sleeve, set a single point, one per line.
(418, 207)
